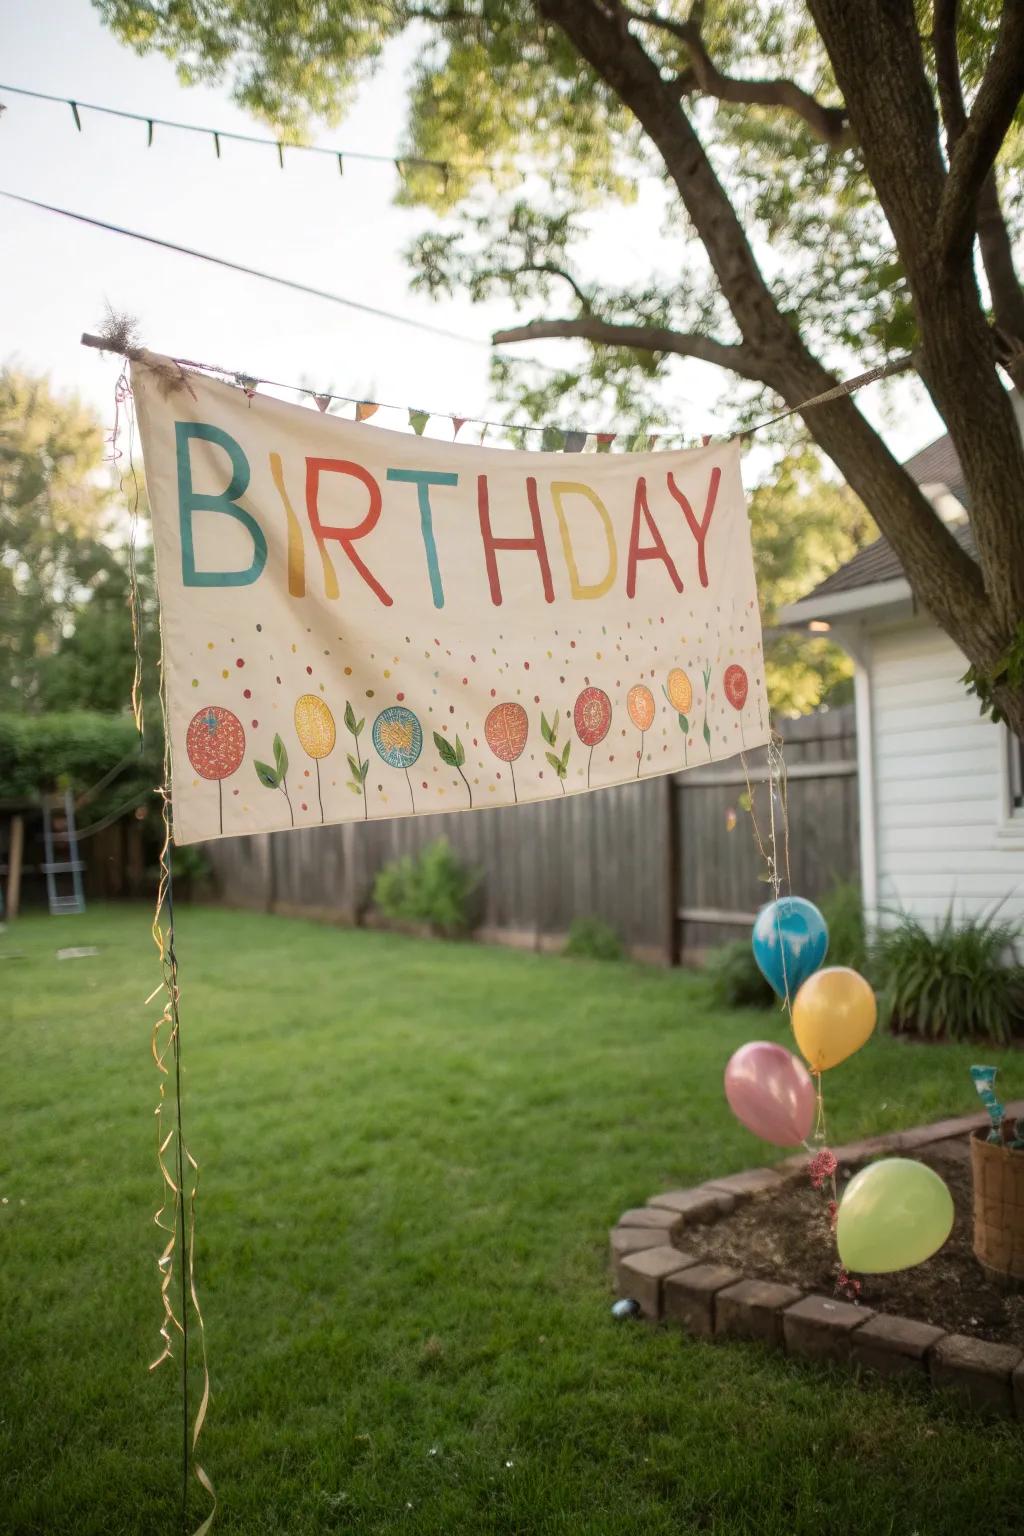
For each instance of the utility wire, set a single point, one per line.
(236, 266)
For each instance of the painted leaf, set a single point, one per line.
(556, 762)
(280, 757)
(707, 733)
(684, 725)
(355, 788)
(350, 720)
(266, 775)
(354, 765)
(445, 750)
(364, 769)
(545, 729)
(565, 753)
(460, 752)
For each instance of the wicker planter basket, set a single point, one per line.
(998, 1176)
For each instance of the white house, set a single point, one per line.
(941, 787)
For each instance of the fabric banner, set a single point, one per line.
(360, 624)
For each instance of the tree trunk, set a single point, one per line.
(978, 605)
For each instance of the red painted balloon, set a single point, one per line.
(735, 681)
(592, 716)
(215, 742)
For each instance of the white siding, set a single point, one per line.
(941, 826)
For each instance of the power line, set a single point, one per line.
(267, 277)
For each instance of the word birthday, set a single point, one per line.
(360, 624)
(644, 540)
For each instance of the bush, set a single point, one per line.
(954, 984)
(843, 911)
(433, 888)
(43, 753)
(590, 938)
(734, 978)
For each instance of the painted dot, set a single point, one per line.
(572, 645)
(305, 773)
(465, 680)
(239, 661)
(255, 724)
(294, 647)
(224, 673)
(526, 665)
(309, 671)
(195, 682)
(246, 693)
(259, 629)
(277, 679)
(493, 693)
(209, 645)
(425, 784)
(305, 807)
(400, 697)
(369, 693)
(236, 791)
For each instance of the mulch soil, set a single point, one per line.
(786, 1237)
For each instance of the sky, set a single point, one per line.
(340, 233)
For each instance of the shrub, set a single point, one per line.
(590, 938)
(958, 983)
(843, 911)
(435, 887)
(734, 978)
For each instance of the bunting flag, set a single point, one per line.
(552, 440)
(361, 625)
(604, 441)
(458, 422)
(575, 442)
(418, 420)
(323, 402)
(365, 409)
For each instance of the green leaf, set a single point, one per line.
(545, 730)
(684, 725)
(460, 752)
(355, 788)
(280, 757)
(360, 725)
(364, 769)
(354, 765)
(350, 719)
(445, 749)
(556, 762)
(707, 733)
(266, 775)
(565, 752)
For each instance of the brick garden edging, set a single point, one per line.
(708, 1300)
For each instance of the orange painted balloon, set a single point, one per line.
(640, 704)
(506, 729)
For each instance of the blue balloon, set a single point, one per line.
(790, 940)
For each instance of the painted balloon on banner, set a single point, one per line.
(895, 1213)
(790, 942)
(771, 1093)
(834, 1014)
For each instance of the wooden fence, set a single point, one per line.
(657, 860)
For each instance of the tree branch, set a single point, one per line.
(982, 134)
(644, 338)
(828, 123)
(993, 235)
(557, 271)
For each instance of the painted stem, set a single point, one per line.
(515, 792)
(590, 759)
(469, 792)
(362, 776)
(220, 803)
(409, 782)
(318, 794)
(284, 786)
(641, 757)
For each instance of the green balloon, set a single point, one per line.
(895, 1213)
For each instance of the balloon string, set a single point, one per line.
(768, 847)
(820, 1127)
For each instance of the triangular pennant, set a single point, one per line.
(458, 422)
(705, 439)
(322, 402)
(552, 440)
(604, 441)
(574, 442)
(365, 409)
(418, 420)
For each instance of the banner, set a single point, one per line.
(360, 624)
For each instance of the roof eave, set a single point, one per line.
(874, 598)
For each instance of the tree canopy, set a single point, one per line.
(842, 184)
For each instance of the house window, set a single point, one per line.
(1016, 775)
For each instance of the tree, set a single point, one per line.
(860, 143)
(65, 626)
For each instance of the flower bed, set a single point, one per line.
(750, 1256)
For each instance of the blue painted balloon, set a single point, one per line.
(790, 940)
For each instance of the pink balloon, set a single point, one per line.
(771, 1093)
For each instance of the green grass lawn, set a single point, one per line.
(411, 1154)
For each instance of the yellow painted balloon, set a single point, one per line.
(314, 726)
(834, 1014)
(894, 1214)
(680, 691)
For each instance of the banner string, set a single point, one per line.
(178, 1227)
(571, 439)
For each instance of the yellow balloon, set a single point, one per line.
(680, 691)
(834, 1014)
(314, 725)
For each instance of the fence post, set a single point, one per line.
(673, 888)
